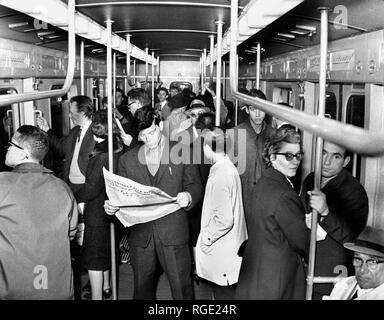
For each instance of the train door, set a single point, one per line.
(353, 112)
(372, 167)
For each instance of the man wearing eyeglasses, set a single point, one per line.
(368, 261)
(342, 205)
(38, 216)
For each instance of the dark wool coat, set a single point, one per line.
(348, 212)
(278, 240)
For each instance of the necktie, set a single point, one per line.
(354, 296)
(78, 135)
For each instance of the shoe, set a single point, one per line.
(107, 293)
(87, 287)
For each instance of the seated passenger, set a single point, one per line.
(38, 217)
(223, 228)
(368, 260)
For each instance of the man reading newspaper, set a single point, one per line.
(165, 239)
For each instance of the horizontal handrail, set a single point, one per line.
(351, 137)
(327, 279)
(37, 95)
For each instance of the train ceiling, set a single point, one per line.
(182, 28)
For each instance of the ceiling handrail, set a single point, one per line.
(351, 137)
(37, 95)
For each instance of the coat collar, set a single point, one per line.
(273, 174)
(31, 167)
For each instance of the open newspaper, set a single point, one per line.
(138, 203)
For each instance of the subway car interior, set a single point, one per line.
(319, 63)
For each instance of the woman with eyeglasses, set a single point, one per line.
(278, 238)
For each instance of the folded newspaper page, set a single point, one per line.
(138, 203)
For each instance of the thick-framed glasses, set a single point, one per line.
(195, 115)
(289, 156)
(370, 263)
(12, 144)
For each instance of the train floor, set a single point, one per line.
(202, 289)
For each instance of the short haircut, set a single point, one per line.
(257, 93)
(99, 124)
(121, 91)
(176, 102)
(140, 95)
(205, 121)
(84, 104)
(276, 140)
(145, 117)
(33, 139)
(216, 138)
(163, 89)
(347, 153)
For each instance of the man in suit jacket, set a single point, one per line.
(76, 148)
(77, 145)
(343, 207)
(163, 240)
(162, 106)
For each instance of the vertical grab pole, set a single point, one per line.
(219, 46)
(236, 79)
(114, 80)
(110, 148)
(204, 64)
(201, 73)
(128, 53)
(82, 67)
(258, 67)
(211, 39)
(153, 80)
(134, 71)
(319, 145)
(158, 69)
(146, 66)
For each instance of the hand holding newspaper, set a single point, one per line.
(138, 203)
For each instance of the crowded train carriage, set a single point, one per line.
(226, 150)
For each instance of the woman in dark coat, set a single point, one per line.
(96, 251)
(278, 238)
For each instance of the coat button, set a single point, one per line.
(224, 275)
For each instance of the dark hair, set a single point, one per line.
(121, 91)
(163, 89)
(176, 102)
(288, 134)
(205, 121)
(216, 138)
(140, 95)
(99, 124)
(257, 93)
(33, 139)
(83, 104)
(145, 117)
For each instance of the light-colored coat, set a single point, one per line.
(222, 226)
(345, 288)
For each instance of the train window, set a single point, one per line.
(355, 115)
(181, 85)
(331, 105)
(283, 95)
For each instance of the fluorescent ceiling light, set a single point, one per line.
(254, 17)
(54, 12)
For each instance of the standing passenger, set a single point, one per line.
(38, 216)
(343, 208)
(96, 251)
(76, 148)
(257, 131)
(162, 241)
(223, 228)
(272, 266)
